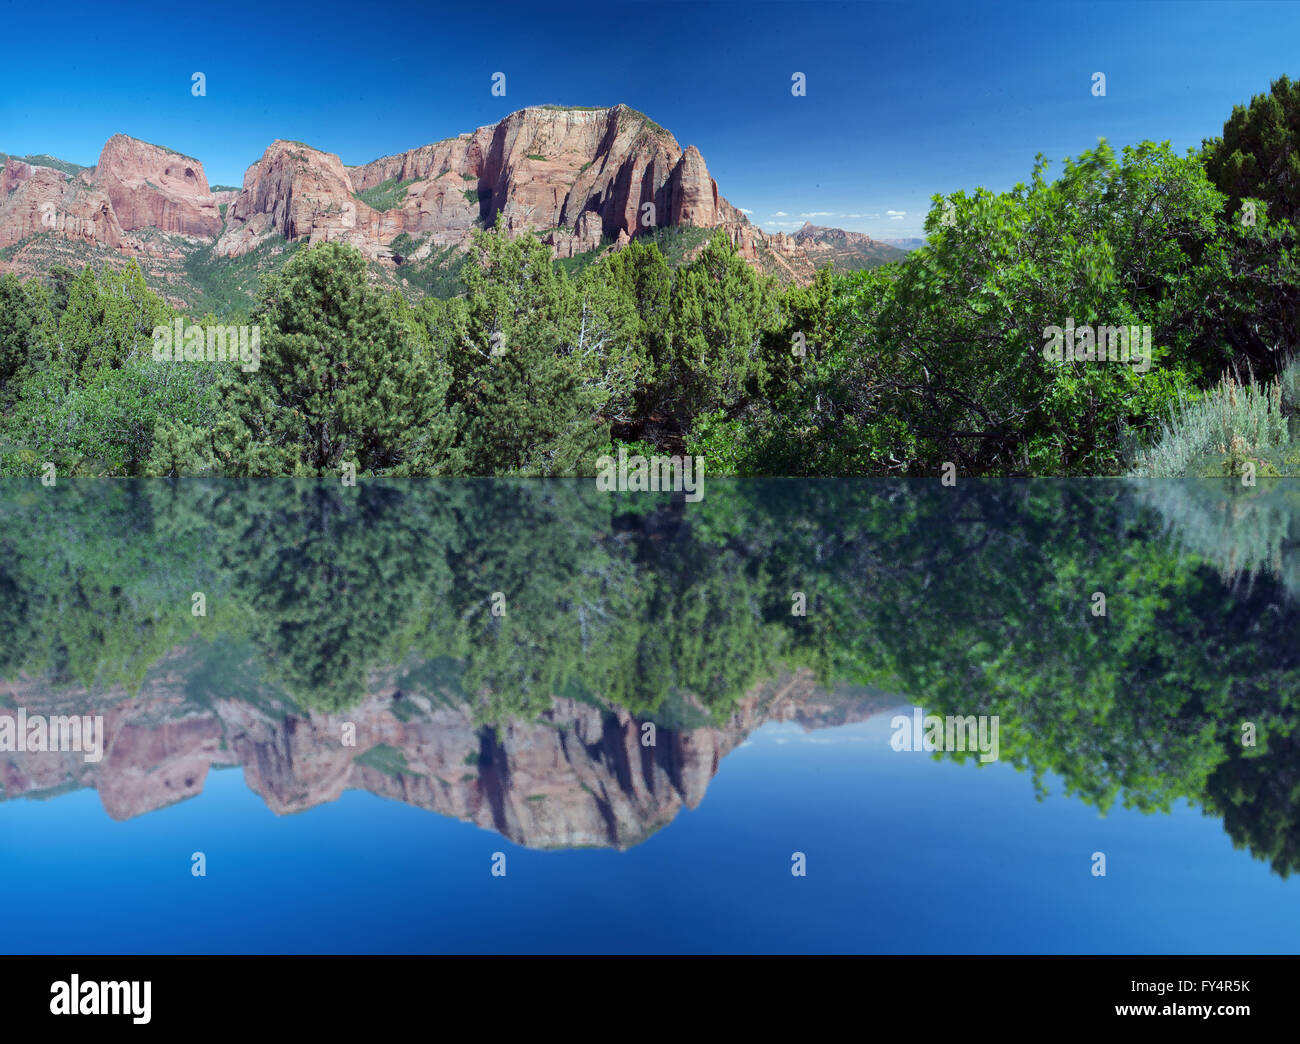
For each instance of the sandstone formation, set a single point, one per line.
(151, 187)
(296, 192)
(581, 178)
(36, 200)
(845, 250)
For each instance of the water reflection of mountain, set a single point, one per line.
(974, 600)
(577, 775)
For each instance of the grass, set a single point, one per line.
(471, 195)
(646, 120)
(535, 156)
(1243, 531)
(386, 195)
(1229, 425)
(226, 188)
(10, 252)
(583, 168)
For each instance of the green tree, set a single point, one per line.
(623, 302)
(719, 314)
(108, 320)
(945, 357)
(1252, 296)
(21, 314)
(345, 375)
(1258, 154)
(518, 365)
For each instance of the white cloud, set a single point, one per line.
(780, 213)
(817, 213)
(744, 211)
(859, 215)
(896, 215)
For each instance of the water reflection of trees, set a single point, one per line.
(973, 600)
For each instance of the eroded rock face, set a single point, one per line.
(134, 186)
(152, 187)
(296, 192)
(694, 193)
(35, 200)
(581, 177)
(577, 776)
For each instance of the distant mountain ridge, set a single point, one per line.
(846, 250)
(580, 179)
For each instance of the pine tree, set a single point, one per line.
(346, 375)
(629, 292)
(719, 313)
(1259, 153)
(528, 409)
(20, 323)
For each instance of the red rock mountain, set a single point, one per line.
(846, 250)
(36, 200)
(151, 187)
(581, 177)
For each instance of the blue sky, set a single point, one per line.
(903, 100)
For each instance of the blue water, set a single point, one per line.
(904, 854)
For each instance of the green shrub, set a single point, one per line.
(1227, 426)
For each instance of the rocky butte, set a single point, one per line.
(580, 178)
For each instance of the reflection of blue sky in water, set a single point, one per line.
(904, 854)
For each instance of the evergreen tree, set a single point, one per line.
(108, 320)
(18, 329)
(346, 375)
(517, 369)
(631, 290)
(1259, 153)
(719, 314)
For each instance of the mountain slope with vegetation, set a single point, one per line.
(532, 365)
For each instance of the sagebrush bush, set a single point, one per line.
(1228, 425)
